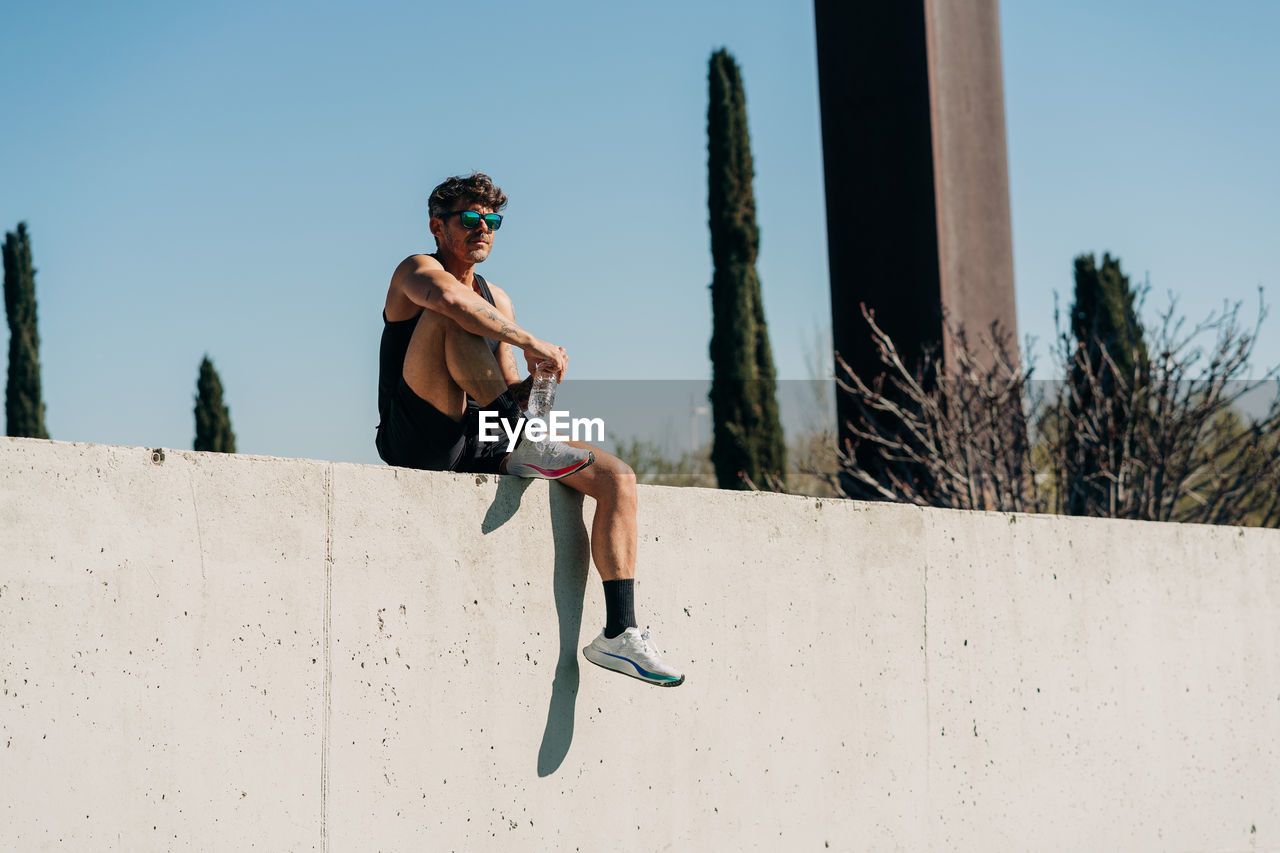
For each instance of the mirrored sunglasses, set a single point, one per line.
(470, 219)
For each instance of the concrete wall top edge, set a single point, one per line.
(730, 500)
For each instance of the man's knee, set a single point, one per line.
(430, 322)
(626, 476)
(620, 479)
(607, 479)
(436, 334)
(453, 335)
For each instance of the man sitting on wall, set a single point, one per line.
(448, 354)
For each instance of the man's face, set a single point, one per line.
(472, 245)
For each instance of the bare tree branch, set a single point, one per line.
(1167, 441)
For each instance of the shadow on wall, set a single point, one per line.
(506, 501)
(572, 563)
(569, 584)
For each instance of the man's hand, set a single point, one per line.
(543, 351)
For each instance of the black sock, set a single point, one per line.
(619, 606)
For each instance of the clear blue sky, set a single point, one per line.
(240, 179)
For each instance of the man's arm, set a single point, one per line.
(421, 280)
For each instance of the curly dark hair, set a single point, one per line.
(476, 188)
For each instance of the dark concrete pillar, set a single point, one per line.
(916, 174)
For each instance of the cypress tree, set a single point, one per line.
(1104, 317)
(24, 405)
(748, 438)
(1111, 354)
(213, 418)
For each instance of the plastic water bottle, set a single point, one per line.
(543, 394)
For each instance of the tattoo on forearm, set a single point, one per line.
(505, 329)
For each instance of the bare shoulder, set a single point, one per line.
(416, 263)
(400, 305)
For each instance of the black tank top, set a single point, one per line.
(395, 343)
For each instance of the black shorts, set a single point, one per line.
(415, 434)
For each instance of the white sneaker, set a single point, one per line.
(549, 460)
(633, 653)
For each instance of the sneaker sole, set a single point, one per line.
(558, 473)
(565, 472)
(626, 666)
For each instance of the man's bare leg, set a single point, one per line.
(613, 530)
(613, 547)
(445, 363)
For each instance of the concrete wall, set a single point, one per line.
(237, 653)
